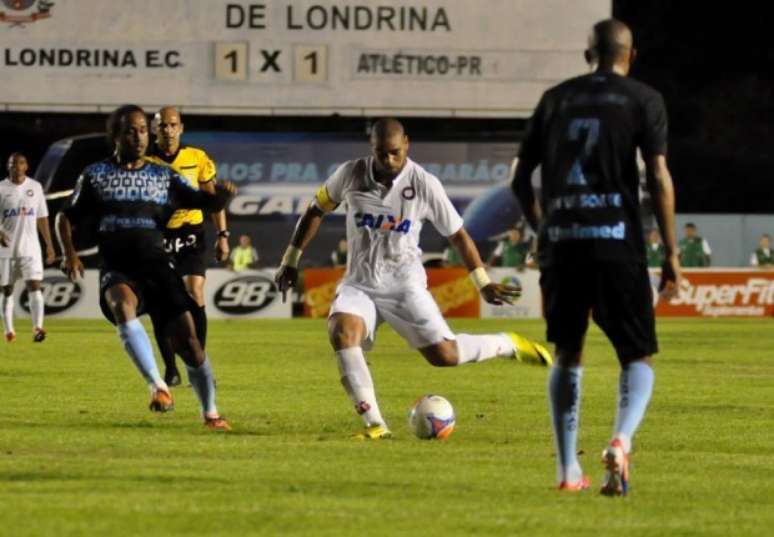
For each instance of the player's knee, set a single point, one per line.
(441, 355)
(342, 338)
(33, 285)
(123, 310)
(344, 332)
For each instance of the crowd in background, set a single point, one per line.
(516, 249)
(695, 251)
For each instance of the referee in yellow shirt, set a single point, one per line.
(184, 236)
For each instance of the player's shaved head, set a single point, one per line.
(610, 43)
(387, 128)
(389, 145)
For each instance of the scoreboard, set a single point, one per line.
(464, 58)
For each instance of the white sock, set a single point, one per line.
(478, 348)
(37, 306)
(7, 308)
(357, 382)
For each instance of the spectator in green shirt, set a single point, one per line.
(451, 258)
(655, 249)
(244, 256)
(694, 250)
(339, 255)
(512, 251)
(763, 257)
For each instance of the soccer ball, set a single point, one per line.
(432, 416)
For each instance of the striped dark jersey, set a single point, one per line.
(131, 207)
(585, 134)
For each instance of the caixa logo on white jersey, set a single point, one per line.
(59, 295)
(245, 295)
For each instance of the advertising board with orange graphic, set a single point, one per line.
(451, 288)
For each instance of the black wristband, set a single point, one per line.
(225, 234)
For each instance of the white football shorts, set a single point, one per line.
(20, 268)
(411, 312)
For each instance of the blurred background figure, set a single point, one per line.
(763, 256)
(694, 250)
(451, 258)
(339, 255)
(511, 251)
(244, 256)
(654, 249)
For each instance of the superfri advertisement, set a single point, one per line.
(292, 57)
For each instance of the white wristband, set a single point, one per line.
(292, 256)
(480, 278)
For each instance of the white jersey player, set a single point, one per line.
(24, 212)
(388, 197)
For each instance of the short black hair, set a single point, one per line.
(690, 224)
(113, 125)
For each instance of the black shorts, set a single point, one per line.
(618, 296)
(187, 248)
(159, 289)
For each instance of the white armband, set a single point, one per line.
(480, 278)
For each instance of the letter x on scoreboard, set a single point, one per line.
(239, 61)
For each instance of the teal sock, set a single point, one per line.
(564, 389)
(139, 349)
(634, 391)
(203, 382)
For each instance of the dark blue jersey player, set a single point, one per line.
(585, 134)
(130, 200)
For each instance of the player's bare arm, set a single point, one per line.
(521, 184)
(46, 234)
(71, 262)
(659, 182)
(305, 230)
(494, 293)
(4, 240)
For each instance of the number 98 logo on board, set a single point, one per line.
(245, 295)
(59, 295)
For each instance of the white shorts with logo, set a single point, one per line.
(20, 268)
(411, 312)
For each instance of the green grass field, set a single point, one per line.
(80, 454)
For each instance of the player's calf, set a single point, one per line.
(443, 354)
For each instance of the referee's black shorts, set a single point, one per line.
(186, 246)
(617, 295)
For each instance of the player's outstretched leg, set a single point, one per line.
(346, 333)
(37, 308)
(564, 392)
(468, 348)
(199, 369)
(634, 391)
(6, 308)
